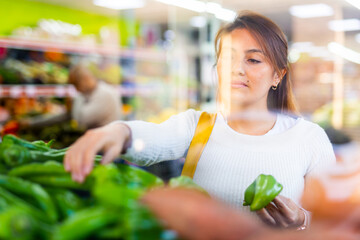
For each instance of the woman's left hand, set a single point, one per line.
(282, 212)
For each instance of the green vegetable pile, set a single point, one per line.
(39, 200)
(261, 192)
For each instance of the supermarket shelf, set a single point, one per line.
(83, 49)
(17, 91)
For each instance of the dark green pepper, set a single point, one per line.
(11, 199)
(38, 169)
(13, 140)
(85, 223)
(44, 144)
(140, 223)
(15, 151)
(139, 176)
(261, 192)
(16, 224)
(61, 181)
(28, 189)
(66, 201)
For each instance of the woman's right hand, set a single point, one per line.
(111, 139)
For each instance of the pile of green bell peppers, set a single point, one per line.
(39, 199)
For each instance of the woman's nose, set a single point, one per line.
(237, 67)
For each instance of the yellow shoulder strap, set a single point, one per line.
(202, 133)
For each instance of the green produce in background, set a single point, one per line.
(186, 182)
(261, 192)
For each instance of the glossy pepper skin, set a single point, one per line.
(261, 192)
(30, 190)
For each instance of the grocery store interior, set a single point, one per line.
(158, 58)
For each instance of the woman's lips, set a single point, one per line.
(238, 84)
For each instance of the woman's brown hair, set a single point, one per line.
(274, 44)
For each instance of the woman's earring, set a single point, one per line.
(274, 87)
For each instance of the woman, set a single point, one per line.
(248, 137)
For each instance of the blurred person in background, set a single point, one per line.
(96, 104)
(256, 130)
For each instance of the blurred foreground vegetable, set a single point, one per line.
(39, 199)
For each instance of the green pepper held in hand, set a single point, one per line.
(261, 192)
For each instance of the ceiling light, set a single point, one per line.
(193, 5)
(311, 10)
(212, 7)
(120, 4)
(344, 25)
(198, 21)
(225, 14)
(302, 46)
(344, 52)
(355, 3)
(199, 6)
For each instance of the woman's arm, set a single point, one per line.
(150, 143)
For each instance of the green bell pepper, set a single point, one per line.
(85, 223)
(67, 202)
(261, 192)
(34, 191)
(38, 169)
(61, 181)
(12, 199)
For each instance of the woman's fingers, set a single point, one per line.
(79, 159)
(291, 213)
(266, 217)
(282, 204)
(110, 154)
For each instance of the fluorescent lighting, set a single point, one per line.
(355, 3)
(198, 21)
(344, 52)
(225, 14)
(311, 10)
(120, 4)
(294, 56)
(212, 7)
(357, 37)
(193, 5)
(199, 6)
(303, 46)
(352, 24)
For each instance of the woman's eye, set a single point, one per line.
(251, 60)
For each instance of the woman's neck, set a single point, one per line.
(251, 120)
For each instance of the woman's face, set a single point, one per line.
(245, 75)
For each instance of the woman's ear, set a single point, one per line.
(278, 78)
